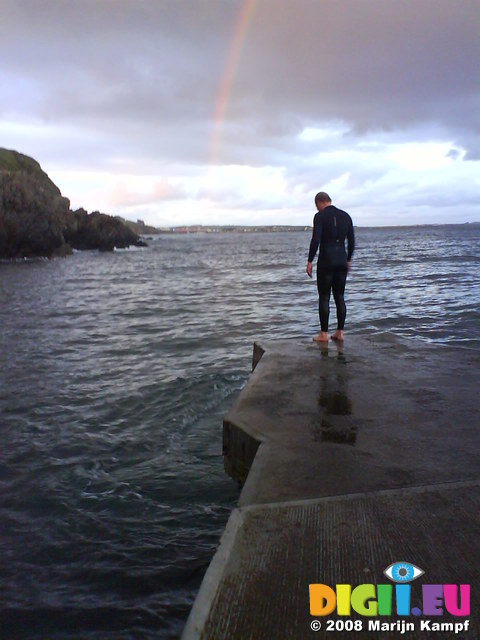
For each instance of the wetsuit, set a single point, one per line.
(331, 226)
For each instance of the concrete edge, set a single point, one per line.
(208, 589)
(415, 488)
(258, 352)
(239, 451)
(240, 445)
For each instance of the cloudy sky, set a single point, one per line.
(239, 111)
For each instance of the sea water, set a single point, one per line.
(115, 372)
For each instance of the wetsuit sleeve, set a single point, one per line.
(350, 241)
(316, 237)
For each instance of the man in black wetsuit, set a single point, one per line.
(331, 226)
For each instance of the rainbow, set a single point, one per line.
(244, 18)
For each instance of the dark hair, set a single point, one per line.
(322, 197)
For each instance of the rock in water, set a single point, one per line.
(33, 213)
(36, 220)
(99, 231)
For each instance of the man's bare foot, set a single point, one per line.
(322, 337)
(338, 335)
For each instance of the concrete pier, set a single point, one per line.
(352, 457)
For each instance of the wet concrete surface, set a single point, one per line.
(368, 415)
(379, 436)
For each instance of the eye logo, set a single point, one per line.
(402, 572)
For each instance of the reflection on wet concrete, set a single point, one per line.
(336, 425)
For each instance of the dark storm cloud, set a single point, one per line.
(143, 74)
(151, 70)
(376, 65)
(134, 86)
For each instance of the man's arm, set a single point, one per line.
(350, 241)
(314, 243)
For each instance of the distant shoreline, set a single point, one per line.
(187, 229)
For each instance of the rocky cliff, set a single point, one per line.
(36, 220)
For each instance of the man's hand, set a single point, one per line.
(309, 269)
(349, 266)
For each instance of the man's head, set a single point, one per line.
(322, 200)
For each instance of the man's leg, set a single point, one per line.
(338, 288)
(324, 286)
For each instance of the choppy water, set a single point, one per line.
(115, 372)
